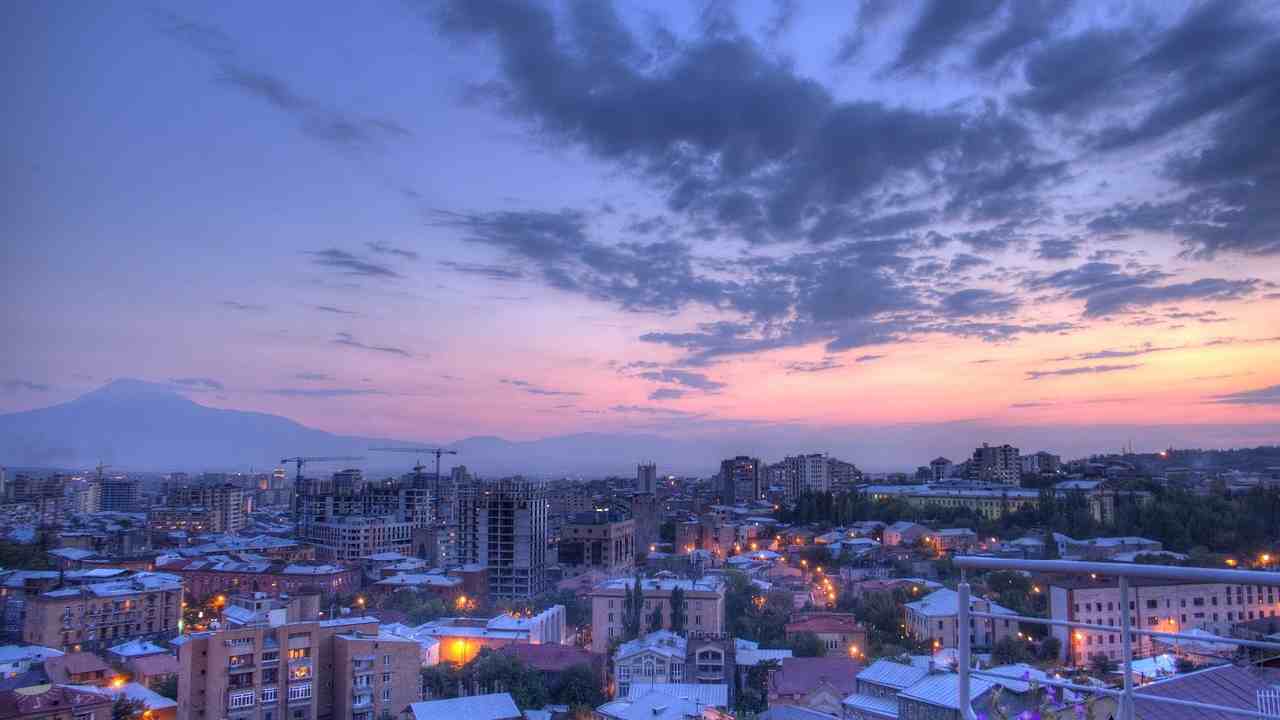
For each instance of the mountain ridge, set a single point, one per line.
(144, 426)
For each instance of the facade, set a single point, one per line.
(933, 619)
(461, 639)
(644, 510)
(118, 494)
(992, 501)
(999, 464)
(904, 533)
(940, 468)
(207, 507)
(806, 474)
(1041, 463)
(603, 541)
(204, 577)
(704, 606)
(840, 633)
(658, 657)
(953, 539)
(297, 668)
(503, 525)
(741, 480)
(1173, 606)
(647, 478)
(843, 474)
(346, 518)
(100, 615)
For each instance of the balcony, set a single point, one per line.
(1125, 697)
(362, 701)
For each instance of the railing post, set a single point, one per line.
(1126, 649)
(962, 647)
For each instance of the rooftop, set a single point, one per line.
(497, 706)
(946, 602)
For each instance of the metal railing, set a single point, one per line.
(1123, 572)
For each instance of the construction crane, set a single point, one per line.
(300, 461)
(420, 451)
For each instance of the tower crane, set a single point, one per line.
(300, 461)
(420, 451)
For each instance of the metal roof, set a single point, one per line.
(892, 674)
(943, 690)
(706, 694)
(497, 706)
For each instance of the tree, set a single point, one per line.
(168, 687)
(633, 610)
(655, 618)
(1049, 649)
(1009, 651)
(440, 681)
(807, 644)
(578, 686)
(125, 709)
(1050, 544)
(1100, 664)
(678, 617)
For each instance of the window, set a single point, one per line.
(1152, 605)
(386, 677)
(624, 673)
(301, 691)
(269, 694)
(386, 661)
(386, 694)
(240, 699)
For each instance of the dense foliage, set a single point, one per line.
(492, 671)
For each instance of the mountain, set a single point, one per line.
(137, 425)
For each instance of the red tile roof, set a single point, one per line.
(152, 665)
(554, 658)
(802, 675)
(46, 699)
(824, 623)
(60, 669)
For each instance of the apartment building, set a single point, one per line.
(346, 518)
(839, 633)
(1167, 606)
(999, 464)
(503, 526)
(806, 474)
(204, 507)
(461, 639)
(292, 666)
(934, 619)
(97, 616)
(703, 611)
(205, 576)
(604, 541)
(741, 480)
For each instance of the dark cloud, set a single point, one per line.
(976, 302)
(530, 388)
(963, 262)
(327, 124)
(1083, 370)
(784, 14)
(322, 392)
(1075, 74)
(1030, 404)
(244, 307)
(349, 264)
(1113, 302)
(871, 13)
(734, 135)
(492, 272)
(14, 385)
(197, 383)
(1261, 396)
(939, 26)
(381, 248)
(1059, 248)
(334, 310)
(1028, 21)
(650, 410)
(806, 366)
(686, 378)
(868, 358)
(313, 376)
(1120, 353)
(667, 393)
(347, 340)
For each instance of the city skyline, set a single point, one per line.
(824, 227)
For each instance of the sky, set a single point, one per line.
(441, 220)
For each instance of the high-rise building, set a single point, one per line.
(346, 518)
(217, 507)
(998, 464)
(741, 480)
(502, 525)
(940, 468)
(843, 474)
(1041, 463)
(274, 660)
(118, 494)
(647, 477)
(644, 510)
(603, 541)
(806, 474)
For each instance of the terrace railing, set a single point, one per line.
(1123, 572)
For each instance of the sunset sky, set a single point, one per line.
(434, 220)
